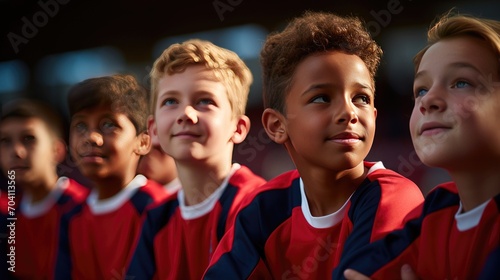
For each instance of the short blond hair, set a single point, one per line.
(452, 25)
(226, 65)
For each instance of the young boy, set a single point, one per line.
(319, 103)
(31, 147)
(453, 126)
(200, 92)
(108, 135)
(159, 167)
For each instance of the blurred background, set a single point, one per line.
(49, 45)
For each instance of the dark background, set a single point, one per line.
(133, 28)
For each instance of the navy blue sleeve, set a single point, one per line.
(253, 226)
(63, 264)
(491, 269)
(143, 262)
(370, 258)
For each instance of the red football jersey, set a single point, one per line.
(276, 234)
(177, 241)
(442, 243)
(97, 237)
(37, 229)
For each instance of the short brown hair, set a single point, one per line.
(122, 92)
(226, 65)
(36, 109)
(314, 32)
(452, 25)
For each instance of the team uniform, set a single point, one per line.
(276, 231)
(173, 186)
(97, 236)
(177, 241)
(442, 243)
(37, 228)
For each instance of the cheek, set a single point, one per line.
(414, 118)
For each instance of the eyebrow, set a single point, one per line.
(331, 85)
(82, 116)
(452, 65)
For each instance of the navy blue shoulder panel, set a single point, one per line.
(160, 215)
(226, 201)
(254, 224)
(141, 200)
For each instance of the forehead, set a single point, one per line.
(459, 51)
(332, 67)
(100, 112)
(194, 78)
(16, 124)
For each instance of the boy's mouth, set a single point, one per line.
(19, 167)
(92, 157)
(186, 134)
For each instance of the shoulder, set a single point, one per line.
(76, 190)
(281, 192)
(154, 190)
(74, 194)
(149, 195)
(388, 177)
(159, 214)
(245, 178)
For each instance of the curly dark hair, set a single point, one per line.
(122, 92)
(313, 32)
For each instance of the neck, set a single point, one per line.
(42, 188)
(477, 186)
(200, 180)
(111, 185)
(327, 190)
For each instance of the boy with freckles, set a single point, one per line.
(454, 126)
(318, 77)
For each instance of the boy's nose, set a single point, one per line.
(20, 150)
(189, 115)
(346, 114)
(432, 101)
(94, 138)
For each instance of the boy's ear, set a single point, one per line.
(60, 150)
(242, 129)
(153, 133)
(274, 124)
(144, 143)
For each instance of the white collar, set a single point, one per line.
(107, 205)
(469, 219)
(331, 219)
(195, 211)
(37, 209)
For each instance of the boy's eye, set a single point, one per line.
(320, 99)
(420, 92)
(362, 99)
(4, 141)
(108, 126)
(29, 138)
(461, 84)
(206, 101)
(80, 127)
(168, 102)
